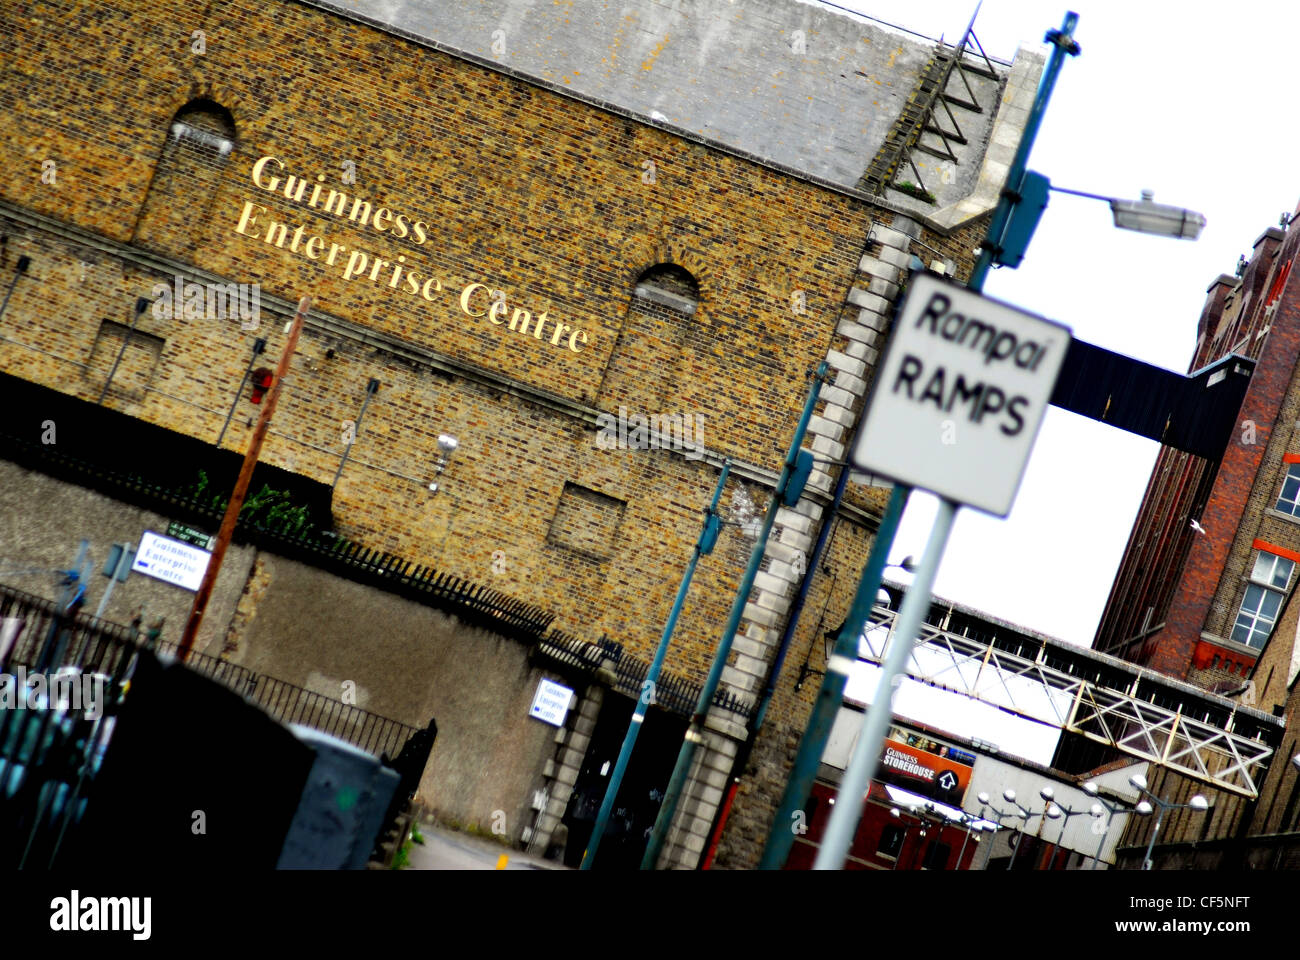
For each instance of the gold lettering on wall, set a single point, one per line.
(258, 222)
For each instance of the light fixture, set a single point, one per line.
(1009, 795)
(1295, 761)
(1146, 216)
(1053, 812)
(447, 445)
(1097, 811)
(984, 797)
(1090, 788)
(1137, 781)
(1144, 808)
(1198, 802)
(1047, 793)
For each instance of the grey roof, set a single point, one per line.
(801, 85)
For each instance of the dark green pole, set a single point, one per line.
(781, 837)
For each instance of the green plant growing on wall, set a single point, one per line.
(912, 190)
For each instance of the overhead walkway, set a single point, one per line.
(1139, 713)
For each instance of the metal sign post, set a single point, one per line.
(955, 408)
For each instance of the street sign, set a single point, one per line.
(960, 395)
(551, 702)
(171, 560)
(188, 534)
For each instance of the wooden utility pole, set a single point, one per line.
(241, 486)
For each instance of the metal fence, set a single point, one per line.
(673, 693)
(53, 742)
(472, 603)
(290, 703)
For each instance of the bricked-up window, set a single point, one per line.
(1269, 579)
(587, 522)
(139, 360)
(669, 285)
(1289, 500)
(195, 149)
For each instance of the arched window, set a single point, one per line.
(644, 365)
(206, 127)
(177, 211)
(669, 285)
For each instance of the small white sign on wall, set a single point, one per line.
(551, 703)
(171, 560)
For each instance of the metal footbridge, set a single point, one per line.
(1136, 712)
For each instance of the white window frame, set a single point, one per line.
(1270, 575)
(1291, 507)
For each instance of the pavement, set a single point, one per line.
(447, 849)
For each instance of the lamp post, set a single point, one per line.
(1139, 782)
(984, 800)
(1057, 812)
(898, 815)
(1147, 216)
(703, 547)
(1025, 814)
(789, 487)
(1091, 789)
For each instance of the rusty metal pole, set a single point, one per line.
(241, 486)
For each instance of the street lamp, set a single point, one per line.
(1090, 788)
(1025, 814)
(898, 815)
(1139, 782)
(969, 823)
(986, 801)
(1147, 216)
(1057, 812)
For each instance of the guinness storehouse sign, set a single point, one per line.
(959, 397)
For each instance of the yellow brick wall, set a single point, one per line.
(521, 190)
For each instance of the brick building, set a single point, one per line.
(1203, 592)
(514, 224)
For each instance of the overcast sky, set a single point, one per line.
(1193, 101)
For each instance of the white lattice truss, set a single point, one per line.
(1030, 688)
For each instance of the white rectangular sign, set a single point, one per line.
(171, 560)
(960, 394)
(551, 702)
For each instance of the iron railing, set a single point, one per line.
(671, 692)
(324, 549)
(51, 751)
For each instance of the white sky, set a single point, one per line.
(1194, 101)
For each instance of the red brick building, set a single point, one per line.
(1214, 550)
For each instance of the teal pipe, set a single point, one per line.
(703, 546)
(695, 732)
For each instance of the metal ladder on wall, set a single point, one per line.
(920, 113)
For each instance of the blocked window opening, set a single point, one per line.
(671, 286)
(199, 141)
(138, 363)
(587, 522)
